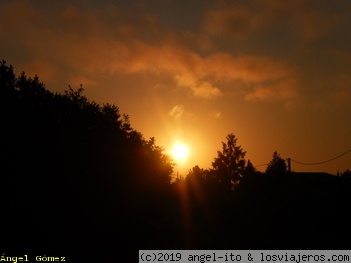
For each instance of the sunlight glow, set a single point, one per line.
(180, 152)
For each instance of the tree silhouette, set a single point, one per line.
(196, 174)
(158, 164)
(345, 174)
(7, 82)
(277, 166)
(73, 160)
(250, 170)
(229, 163)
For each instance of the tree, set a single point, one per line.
(196, 174)
(229, 165)
(159, 164)
(250, 170)
(7, 78)
(63, 151)
(345, 174)
(276, 166)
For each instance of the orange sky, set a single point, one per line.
(277, 74)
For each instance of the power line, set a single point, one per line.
(261, 165)
(332, 159)
(316, 163)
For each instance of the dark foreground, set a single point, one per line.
(262, 213)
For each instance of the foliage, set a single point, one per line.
(345, 174)
(76, 125)
(229, 164)
(277, 166)
(73, 160)
(160, 164)
(250, 170)
(196, 174)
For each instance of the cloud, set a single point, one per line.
(236, 21)
(199, 88)
(206, 90)
(176, 112)
(218, 115)
(248, 68)
(307, 20)
(95, 44)
(342, 91)
(198, 41)
(283, 90)
(314, 25)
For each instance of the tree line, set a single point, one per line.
(230, 166)
(71, 167)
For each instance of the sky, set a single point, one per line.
(276, 74)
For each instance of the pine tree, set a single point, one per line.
(229, 164)
(276, 166)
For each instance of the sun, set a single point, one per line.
(180, 152)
